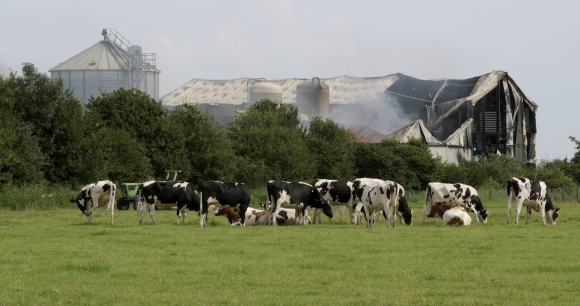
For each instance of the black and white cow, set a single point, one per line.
(296, 195)
(102, 193)
(377, 196)
(534, 195)
(338, 194)
(168, 194)
(224, 195)
(391, 193)
(458, 194)
(404, 213)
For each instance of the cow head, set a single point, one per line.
(82, 199)
(405, 211)
(482, 215)
(552, 215)
(320, 202)
(481, 211)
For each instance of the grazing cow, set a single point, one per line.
(533, 194)
(376, 198)
(450, 214)
(458, 194)
(168, 194)
(224, 195)
(404, 213)
(296, 195)
(338, 194)
(391, 192)
(96, 195)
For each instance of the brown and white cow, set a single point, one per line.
(450, 214)
(96, 195)
(534, 195)
(458, 194)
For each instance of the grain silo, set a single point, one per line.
(312, 98)
(110, 64)
(263, 90)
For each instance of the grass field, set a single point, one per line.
(54, 258)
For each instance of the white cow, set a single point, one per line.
(534, 195)
(258, 217)
(458, 194)
(96, 195)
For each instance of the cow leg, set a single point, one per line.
(426, 210)
(243, 208)
(318, 212)
(509, 207)
(152, 213)
(518, 209)
(341, 208)
(368, 215)
(543, 212)
(528, 214)
(178, 213)
(143, 208)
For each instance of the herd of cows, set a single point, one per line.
(290, 202)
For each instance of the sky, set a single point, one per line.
(536, 42)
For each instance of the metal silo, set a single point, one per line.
(110, 64)
(264, 90)
(312, 98)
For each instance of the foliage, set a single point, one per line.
(202, 142)
(332, 148)
(267, 133)
(574, 170)
(410, 165)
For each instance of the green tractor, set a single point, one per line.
(130, 194)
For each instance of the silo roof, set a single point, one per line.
(100, 56)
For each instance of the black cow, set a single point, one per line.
(534, 195)
(297, 195)
(224, 195)
(180, 194)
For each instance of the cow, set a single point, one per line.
(338, 194)
(458, 194)
(388, 188)
(168, 194)
(450, 214)
(224, 195)
(534, 195)
(102, 193)
(404, 213)
(378, 197)
(295, 195)
(258, 217)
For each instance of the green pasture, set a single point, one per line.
(53, 257)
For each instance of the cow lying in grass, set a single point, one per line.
(94, 196)
(450, 214)
(258, 217)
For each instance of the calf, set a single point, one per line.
(168, 194)
(450, 214)
(96, 195)
(224, 195)
(458, 194)
(534, 195)
(296, 195)
(338, 194)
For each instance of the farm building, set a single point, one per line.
(108, 65)
(459, 118)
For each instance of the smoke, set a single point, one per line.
(4, 70)
(383, 114)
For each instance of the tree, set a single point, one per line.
(332, 148)
(203, 144)
(574, 171)
(410, 165)
(267, 134)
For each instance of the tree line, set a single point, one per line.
(47, 136)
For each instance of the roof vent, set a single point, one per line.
(92, 63)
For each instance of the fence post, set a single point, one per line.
(490, 195)
(562, 188)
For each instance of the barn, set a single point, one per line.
(460, 119)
